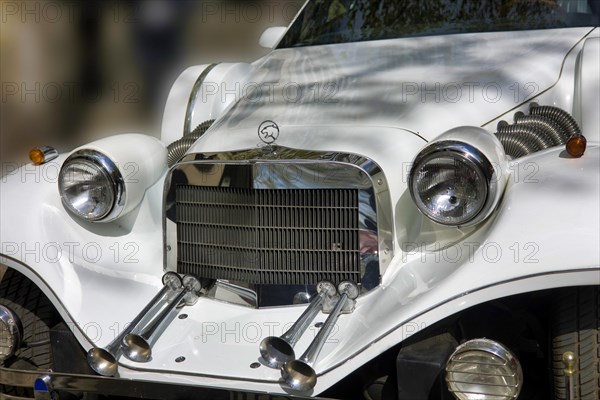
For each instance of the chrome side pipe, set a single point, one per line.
(299, 374)
(104, 360)
(137, 347)
(277, 350)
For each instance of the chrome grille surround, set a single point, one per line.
(277, 216)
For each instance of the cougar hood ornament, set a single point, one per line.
(268, 132)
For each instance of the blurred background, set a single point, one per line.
(73, 72)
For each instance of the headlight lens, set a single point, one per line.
(91, 186)
(451, 183)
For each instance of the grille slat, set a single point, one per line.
(268, 236)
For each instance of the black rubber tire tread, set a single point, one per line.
(38, 316)
(576, 328)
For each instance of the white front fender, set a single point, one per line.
(201, 93)
(96, 274)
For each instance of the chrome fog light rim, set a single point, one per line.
(466, 376)
(11, 333)
(467, 154)
(109, 170)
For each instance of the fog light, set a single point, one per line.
(483, 369)
(11, 332)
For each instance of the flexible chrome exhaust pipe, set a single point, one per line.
(136, 347)
(277, 350)
(299, 374)
(104, 360)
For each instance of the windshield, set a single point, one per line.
(339, 21)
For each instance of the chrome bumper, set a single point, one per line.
(124, 387)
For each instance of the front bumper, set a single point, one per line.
(56, 382)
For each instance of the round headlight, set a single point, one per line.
(91, 186)
(453, 183)
(483, 369)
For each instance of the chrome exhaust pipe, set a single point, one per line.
(277, 350)
(299, 374)
(104, 360)
(136, 347)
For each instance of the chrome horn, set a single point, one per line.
(104, 360)
(299, 374)
(277, 350)
(136, 347)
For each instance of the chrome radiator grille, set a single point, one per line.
(268, 236)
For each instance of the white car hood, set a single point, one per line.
(425, 84)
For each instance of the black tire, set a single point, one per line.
(576, 328)
(37, 315)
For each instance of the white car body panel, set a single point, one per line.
(422, 285)
(370, 94)
(588, 85)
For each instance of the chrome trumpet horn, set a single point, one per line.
(299, 374)
(137, 347)
(277, 350)
(104, 360)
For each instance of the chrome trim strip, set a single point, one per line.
(132, 388)
(285, 168)
(189, 112)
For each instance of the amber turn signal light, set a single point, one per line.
(576, 145)
(41, 155)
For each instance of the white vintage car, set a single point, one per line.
(399, 201)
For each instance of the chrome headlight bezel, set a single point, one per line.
(469, 155)
(109, 170)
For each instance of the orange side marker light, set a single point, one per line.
(43, 154)
(576, 145)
